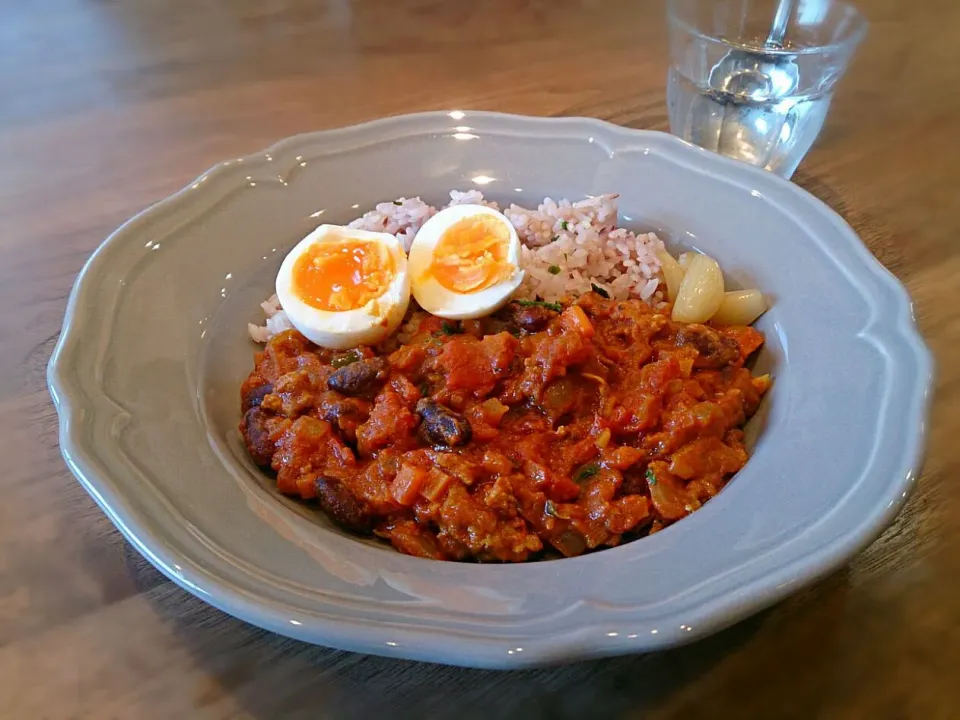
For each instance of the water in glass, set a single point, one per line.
(729, 92)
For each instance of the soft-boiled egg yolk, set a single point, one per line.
(342, 287)
(342, 274)
(464, 262)
(472, 254)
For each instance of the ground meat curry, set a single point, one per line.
(543, 430)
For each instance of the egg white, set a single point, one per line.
(438, 300)
(366, 325)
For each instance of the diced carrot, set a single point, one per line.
(563, 489)
(655, 376)
(483, 432)
(622, 457)
(495, 462)
(307, 486)
(627, 512)
(407, 358)
(575, 319)
(410, 538)
(747, 338)
(476, 366)
(406, 485)
(405, 389)
(435, 485)
(493, 411)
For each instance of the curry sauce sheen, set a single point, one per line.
(542, 430)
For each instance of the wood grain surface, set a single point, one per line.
(109, 105)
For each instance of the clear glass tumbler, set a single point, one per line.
(734, 89)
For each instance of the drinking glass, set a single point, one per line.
(735, 90)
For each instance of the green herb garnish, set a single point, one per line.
(554, 269)
(587, 471)
(554, 238)
(347, 358)
(450, 328)
(550, 509)
(555, 306)
(599, 291)
(563, 225)
(651, 478)
(397, 202)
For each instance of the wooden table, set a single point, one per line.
(107, 106)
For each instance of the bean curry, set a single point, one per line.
(543, 430)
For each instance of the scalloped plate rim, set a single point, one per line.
(417, 644)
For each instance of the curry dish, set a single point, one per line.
(542, 430)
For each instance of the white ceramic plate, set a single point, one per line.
(153, 350)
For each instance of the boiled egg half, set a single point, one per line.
(465, 262)
(342, 287)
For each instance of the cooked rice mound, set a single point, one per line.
(567, 248)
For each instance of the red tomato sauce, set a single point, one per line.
(529, 434)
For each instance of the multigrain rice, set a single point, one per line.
(567, 248)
